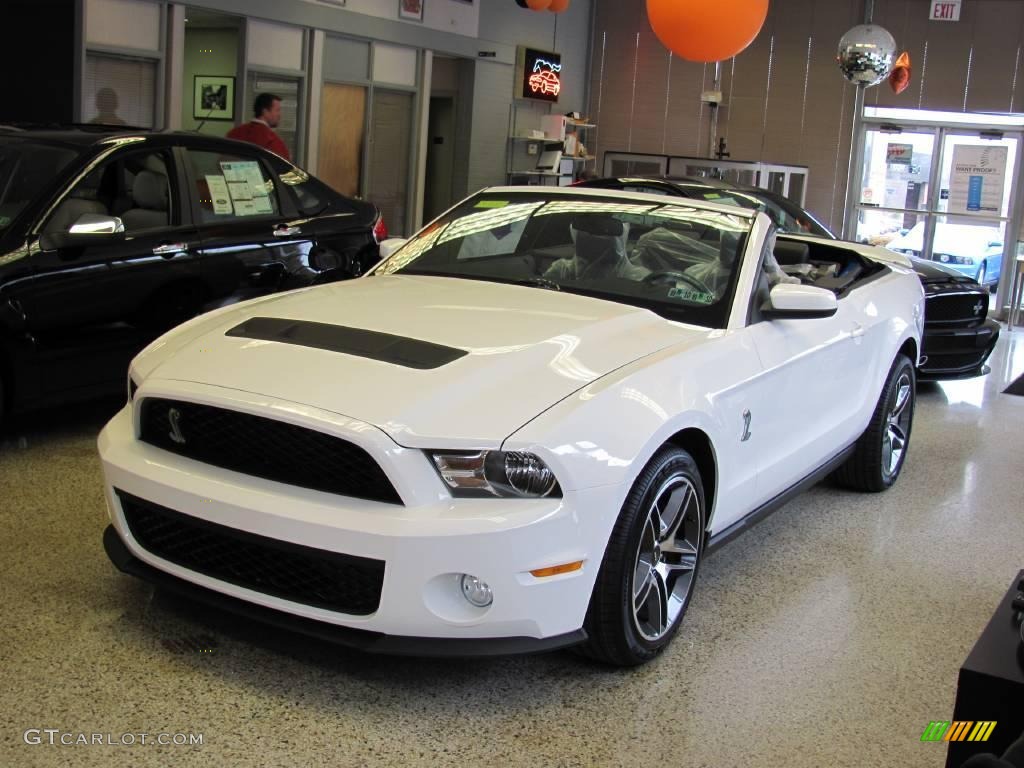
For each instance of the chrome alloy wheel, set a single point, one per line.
(666, 558)
(897, 427)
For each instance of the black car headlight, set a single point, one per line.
(512, 474)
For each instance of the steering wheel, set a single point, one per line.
(666, 275)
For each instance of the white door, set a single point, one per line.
(815, 389)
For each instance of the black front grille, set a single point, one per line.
(962, 308)
(267, 448)
(316, 577)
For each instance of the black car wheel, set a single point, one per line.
(882, 450)
(650, 565)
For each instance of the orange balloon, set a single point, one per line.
(557, 6)
(899, 79)
(538, 5)
(706, 30)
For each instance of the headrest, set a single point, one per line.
(597, 225)
(788, 252)
(149, 191)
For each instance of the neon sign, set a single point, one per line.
(540, 75)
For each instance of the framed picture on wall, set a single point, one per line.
(214, 98)
(410, 9)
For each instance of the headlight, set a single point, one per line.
(946, 258)
(496, 473)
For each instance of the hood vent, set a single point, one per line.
(385, 347)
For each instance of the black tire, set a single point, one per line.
(613, 621)
(871, 467)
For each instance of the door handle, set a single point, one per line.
(857, 332)
(169, 250)
(287, 231)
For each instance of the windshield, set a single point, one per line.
(27, 168)
(677, 260)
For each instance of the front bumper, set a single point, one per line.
(957, 353)
(360, 639)
(424, 546)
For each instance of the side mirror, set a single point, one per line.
(391, 246)
(96, 224)
(794, 302)
(89, 229)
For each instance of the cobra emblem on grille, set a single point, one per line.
(978, 307)
(174, 417)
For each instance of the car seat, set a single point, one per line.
(79, 202)
(150, 199)
(666, 250)
(791, 252)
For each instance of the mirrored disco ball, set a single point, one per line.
(866, 54)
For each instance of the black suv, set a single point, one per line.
(958, 335)
(109, 237)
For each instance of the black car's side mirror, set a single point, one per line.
(90, 229)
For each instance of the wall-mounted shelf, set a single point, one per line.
(556, 129)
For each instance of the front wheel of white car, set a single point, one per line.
(650, 565)
(882, 450)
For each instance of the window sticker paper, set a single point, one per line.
(247, 187)
(219, 195)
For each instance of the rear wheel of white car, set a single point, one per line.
(882, 449)
(650, 565)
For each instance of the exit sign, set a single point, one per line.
(945, 10)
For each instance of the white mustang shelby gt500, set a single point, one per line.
(523, 430)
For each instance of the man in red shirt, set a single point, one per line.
(260, 130)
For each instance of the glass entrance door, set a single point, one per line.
(975, 190)
(941, 192)
(896, 185)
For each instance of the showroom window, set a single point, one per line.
(119, 90)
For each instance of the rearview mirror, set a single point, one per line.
(789, 301)
(390, 246)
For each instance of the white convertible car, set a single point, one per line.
(522, 431)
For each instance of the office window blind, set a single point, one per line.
(119, 90)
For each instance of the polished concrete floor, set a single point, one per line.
(828, 636)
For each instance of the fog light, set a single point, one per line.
(475, 591)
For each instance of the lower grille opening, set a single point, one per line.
(314, 577)
(955, 362)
